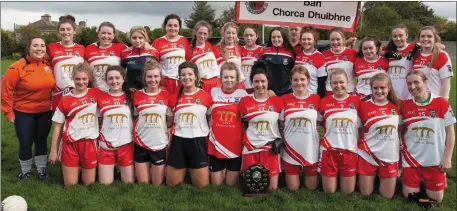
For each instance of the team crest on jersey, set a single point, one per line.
(311, 106)
(432, 114)
(92, 100)
(160, 102)
(285, 62)
(197, 101)
(237, 99)
(270, 108)
(47, 69)
(257, 56)
(77, 53)
(351, 105)
(310, 62)
(392, 111)
(429, 64)
(379, 67)
(111, 53)
(345, 58)
(181, 46)
(125, 102)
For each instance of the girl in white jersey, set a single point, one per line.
(379, 142)
(150, 133)
(115, 141)
(428, 138)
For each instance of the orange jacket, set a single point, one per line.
(26, 87)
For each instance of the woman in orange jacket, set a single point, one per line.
(26, 102)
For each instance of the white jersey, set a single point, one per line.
(345, 61)
(315, 64)
(424, 141)
(398, 69)
(205, 60)
(440, 70)
(301, 137)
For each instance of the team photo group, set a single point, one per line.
(338, 115)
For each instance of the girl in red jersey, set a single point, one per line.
(428, 138)
(228, 49)
(435, 63)
(188, 148)
(173, 50)
(203, 56)
(250, 53)
(76, 121)
(314, 61)
(261, 111)
(299, 119)
(339, 143)
(368, 63)
(64, 55)
(225, 151)
(379, 142)
(280, 58)
(339, 57)
(104, 53)
(150, 132)
(115, 139)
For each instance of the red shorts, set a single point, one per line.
(343, 161)
(264, 158)
(208, 84)
(123, 155)
(433, 178)
(171, 85)
(82, 151)
(388, 171)
(291, 169)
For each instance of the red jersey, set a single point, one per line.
(79, 116)
(63, 60)
(150, 128)
(172, 54)
(424, 139)
(225, 120)
(344, 60)
(379, 144)
(190, 114)
(263, 119)
(301, 138)
(341, 122)
(248, 57)
(205, 60)
(234, 55)
(315, 64)
(440, 70)
(365, 69)
(102, 58)
(117, 120)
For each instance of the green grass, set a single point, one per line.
(53, 196)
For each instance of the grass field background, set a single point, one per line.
(53, 196)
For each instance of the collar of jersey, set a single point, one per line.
(151, 94)
(301, 97)
(81, 95)
(198, 89)
(340, 99)
(429, 100)
(344, 48)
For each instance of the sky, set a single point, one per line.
(124, 15)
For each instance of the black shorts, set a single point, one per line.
(188, 153)
(142, 155)
(219, 164)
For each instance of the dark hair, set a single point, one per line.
(311, 30)
(391, 45)
(373, 38)
(29, 43)
(193, 42)
(125, 89)
(260, 67)
(171, 16)
(108, 24)
(285, 39)
(257, 41)
(67, 19)
(194, 68)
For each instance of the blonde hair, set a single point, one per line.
(435, 49)
(84, 67)
(150, 64)
(222, 42)
(230, 66)
(418, 73)
(301, 70)
(139, 29)
(392, 97)
(339, 72)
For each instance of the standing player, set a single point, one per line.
(115, 139)
(261, 111)
(64, 55)
(301, 138)
(250, 53)
(228, 49)
(338, 57)
(188, 149)
(225, 150)
(428, 140)
(434, 62)
(173, 50)
(368, 63)
(379, 143)
(104, 53)
(150, 132)
(203, 56)
(76, 120)
(313, 61)
(339, 144)
(134, 58)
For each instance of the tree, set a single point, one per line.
(87, 36)
(449, 32)
(186, 32)
(23, 35)
(201, 11)
(123, 38)
(8, 45)
(227, 15)
(148, 31)
(50, 37)
(156, 33)
(379, 21)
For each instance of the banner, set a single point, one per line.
(319, 14)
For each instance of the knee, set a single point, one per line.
(365, 192)
(387, 195)
(201, 184)
(293, 186)
(172, 183)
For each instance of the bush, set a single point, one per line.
(17, 56)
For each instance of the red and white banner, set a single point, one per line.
(319, 14)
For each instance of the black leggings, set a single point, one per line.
(32, 128)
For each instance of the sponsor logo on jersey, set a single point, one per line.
(256, 7)
(366, 80)
(174, 59)
(432, 114)
(131, 62)
(197, 101)
(29, 71)
(187, 117)
(100, 68)
(67, 68)
(423, 132)
(396, 69)
(330, 70)
(261, 125)
(151, 117)
(285, 62)
(344, 122)
(297, 122)
(117, 118)
(386, 129)
(246, 68)
(351, 105)
(87, 118)
(226, 116)
(206, 63)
